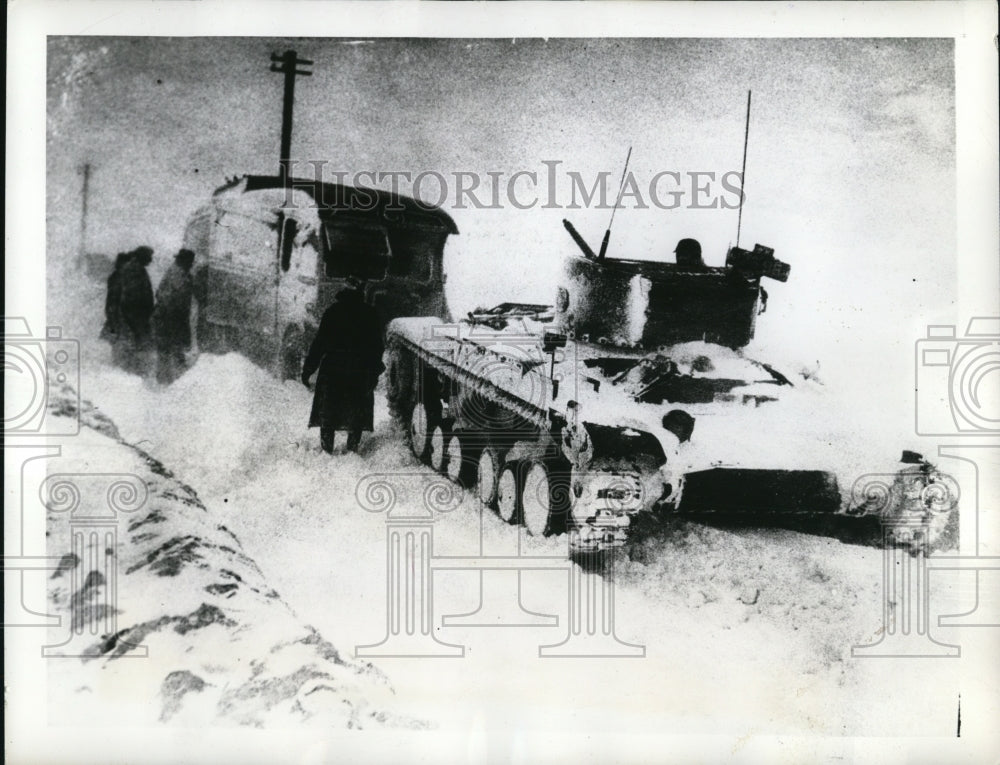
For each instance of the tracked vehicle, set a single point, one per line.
(629, 397)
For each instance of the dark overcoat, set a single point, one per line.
(347, 350)
(113, 299)
(172, 315)
(135, 304)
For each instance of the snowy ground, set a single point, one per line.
(172, 621)
(744, 632)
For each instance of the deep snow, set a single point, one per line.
(172, 621)
(745, 631)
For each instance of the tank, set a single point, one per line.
(630, 398)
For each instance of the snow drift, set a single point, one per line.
(745, 630)
(220, 645)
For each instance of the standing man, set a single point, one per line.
(347, 350)
(111, 307)
(135, 311)
(172, 318)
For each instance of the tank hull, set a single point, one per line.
(601, 419)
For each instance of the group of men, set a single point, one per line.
(137, 322)
(346, 350)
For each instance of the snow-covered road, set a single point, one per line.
(743, 631)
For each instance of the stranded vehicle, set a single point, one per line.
(630, 394)
(269, 259)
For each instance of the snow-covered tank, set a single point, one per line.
(630, 394)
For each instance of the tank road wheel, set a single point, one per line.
(508, 494)
(544, 500)
(437, 455)
(459, 466)
(421, 427)
(488, 474)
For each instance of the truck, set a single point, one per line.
(631, 397)
(271, 254)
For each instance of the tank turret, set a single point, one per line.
(647, 305)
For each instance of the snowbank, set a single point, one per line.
(201, 637)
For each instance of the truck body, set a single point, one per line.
(270, 258)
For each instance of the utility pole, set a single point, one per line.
(289, 63)
(81, 256)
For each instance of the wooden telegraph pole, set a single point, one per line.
(82, 254)
(287, 64)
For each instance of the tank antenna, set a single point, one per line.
(743, 171)
(618, 199)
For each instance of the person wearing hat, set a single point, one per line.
(135, 311)
(347, 352)
(688, 252)
(172, 318)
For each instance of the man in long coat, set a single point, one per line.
(135, 311)
(109, 331)
(347, 351)
(172, 318)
